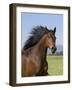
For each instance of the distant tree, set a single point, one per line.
(59, 53)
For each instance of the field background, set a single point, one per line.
(55, 65)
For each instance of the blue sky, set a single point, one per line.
(30, 20)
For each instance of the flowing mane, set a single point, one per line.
(37, 33)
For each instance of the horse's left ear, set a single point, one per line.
(54, 29)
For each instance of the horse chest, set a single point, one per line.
(36, 62)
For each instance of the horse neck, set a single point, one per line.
(40, 48)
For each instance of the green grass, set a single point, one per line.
(55, 65)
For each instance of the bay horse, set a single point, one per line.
(34, 52)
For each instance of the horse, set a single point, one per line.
(34, 52)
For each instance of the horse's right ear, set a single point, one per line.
(54, 29)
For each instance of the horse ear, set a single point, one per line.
(54, 29)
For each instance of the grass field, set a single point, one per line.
(55, 65)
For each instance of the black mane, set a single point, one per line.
(37, 33)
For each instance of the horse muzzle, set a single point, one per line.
(53, 50)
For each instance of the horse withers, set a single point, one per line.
(34, 52)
